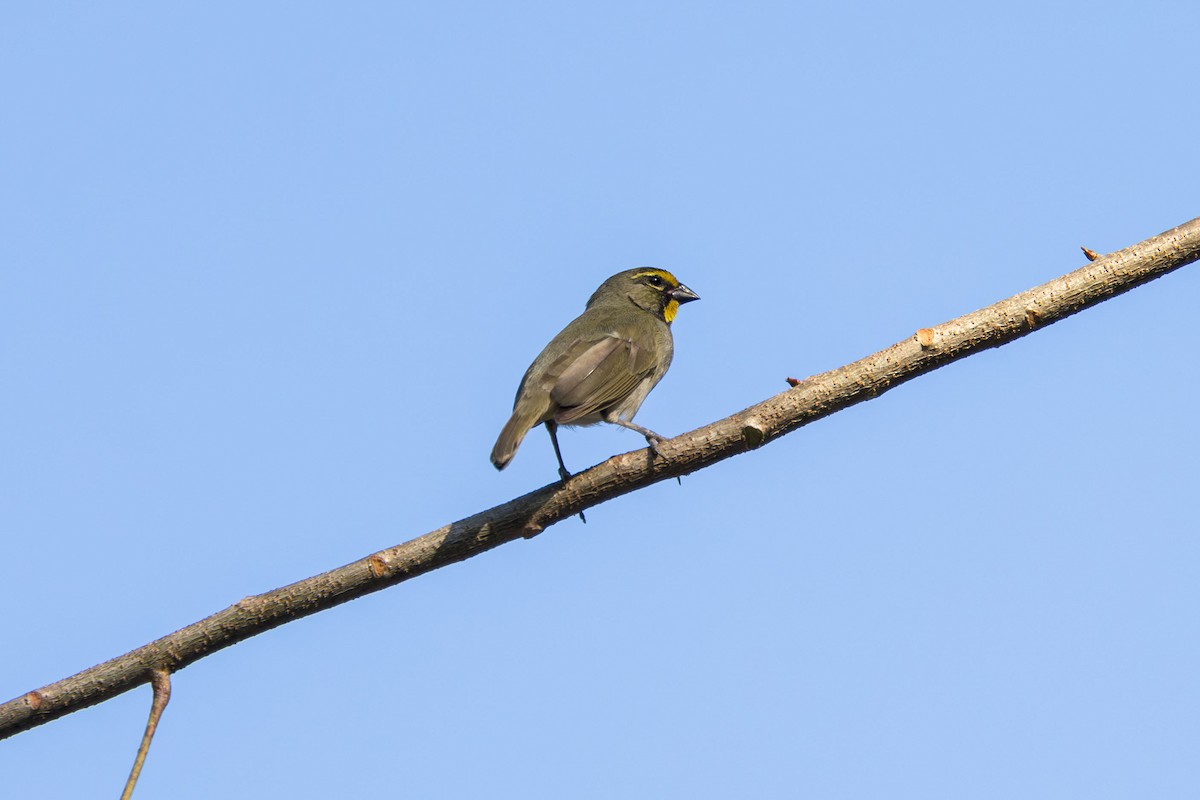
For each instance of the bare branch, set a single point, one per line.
(809, 400)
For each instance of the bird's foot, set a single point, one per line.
(566, 476)
(654, 441)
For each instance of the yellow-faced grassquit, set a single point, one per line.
(602, 365)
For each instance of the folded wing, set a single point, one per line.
(597, 375)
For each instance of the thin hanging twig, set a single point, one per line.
(160, 680)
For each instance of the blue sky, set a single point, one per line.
(272, 273)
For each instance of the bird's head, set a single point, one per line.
(648, 288)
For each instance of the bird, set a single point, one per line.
(602, 365)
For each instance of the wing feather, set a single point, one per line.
(602, 375)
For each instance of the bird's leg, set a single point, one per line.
(652, 438)
(552, 427)
(563, 473)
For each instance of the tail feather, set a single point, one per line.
(518, 425)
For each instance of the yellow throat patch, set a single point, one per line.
(671, 310)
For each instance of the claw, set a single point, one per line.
(565, 476)
(654, 442)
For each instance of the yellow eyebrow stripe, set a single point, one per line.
(662, 273)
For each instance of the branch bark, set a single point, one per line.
(809, 400)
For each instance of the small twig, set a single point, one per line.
(160, 680)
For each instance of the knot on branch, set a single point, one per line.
(753, 434)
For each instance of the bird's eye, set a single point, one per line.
(655, 281)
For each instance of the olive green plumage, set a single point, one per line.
(603, 364)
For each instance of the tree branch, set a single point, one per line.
(808, 400)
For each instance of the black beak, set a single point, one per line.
(682, 294)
